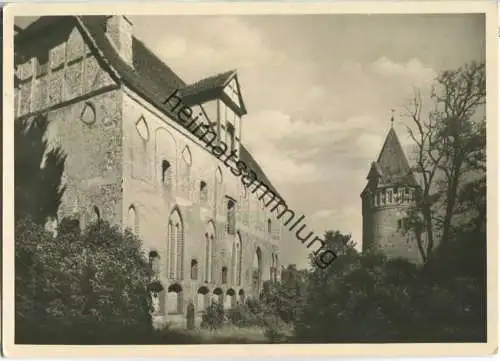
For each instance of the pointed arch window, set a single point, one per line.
(133, 222)
(142, 128)
(166, 173)
(231, 215)
(224, 275)
(236, 259)
(194, 269)
(208, 252)
(186, 170)
(203, 192)
(175, 246)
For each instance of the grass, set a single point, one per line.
(228, 334)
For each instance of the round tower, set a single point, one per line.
(389, 194)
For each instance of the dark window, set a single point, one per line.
(269, 226)
(194, 269)
(224, 275)
(203, 191)
(165, 172)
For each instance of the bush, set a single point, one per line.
(82, 288)
(213, 317)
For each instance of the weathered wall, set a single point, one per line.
(154, 203)
(60, 76)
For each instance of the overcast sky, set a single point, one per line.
(319, 90)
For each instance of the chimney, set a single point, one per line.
(119, 32)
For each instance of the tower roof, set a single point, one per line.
(392, 166)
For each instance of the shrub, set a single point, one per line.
(83, 288)
(213, 316)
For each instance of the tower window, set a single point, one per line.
(389, 196)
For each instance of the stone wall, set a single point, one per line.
(150, 137)
(61, 76)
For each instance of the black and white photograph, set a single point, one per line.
(283, 177)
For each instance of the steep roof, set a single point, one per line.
(392, 166)
(150, 77)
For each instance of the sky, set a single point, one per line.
(319, 90)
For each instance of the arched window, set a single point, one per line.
(165, 158)
(174, 299)
(166, 173)
(231, 216)
(175, 246)
(236, 259)
(203, 299)
(230, 300)
(208, 252)
(133, 222)
(154, 259)
(242, 296)
(203, 192)
(219, 295)
(194, 269)
(224, 275)
(96, 215)
(257, 272)
(186, 170)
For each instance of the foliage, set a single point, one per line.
(450, 142)
(367, 298)
(38, 170)
(213, 317)
(88, 287)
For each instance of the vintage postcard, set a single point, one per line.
(229, 179)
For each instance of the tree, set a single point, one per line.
(450, 142)
(83, 288)
(38, 170)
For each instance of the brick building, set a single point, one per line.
(131, 161)
(389, 194)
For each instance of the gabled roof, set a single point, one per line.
(211, 88)
(212, 83)
(392, 166)
(149, 77)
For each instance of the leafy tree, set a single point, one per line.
(38, 170)
(89, 287)
(450, 142)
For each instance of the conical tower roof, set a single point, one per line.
(392, 166)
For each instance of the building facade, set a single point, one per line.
(132, 162)
(386, 199)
